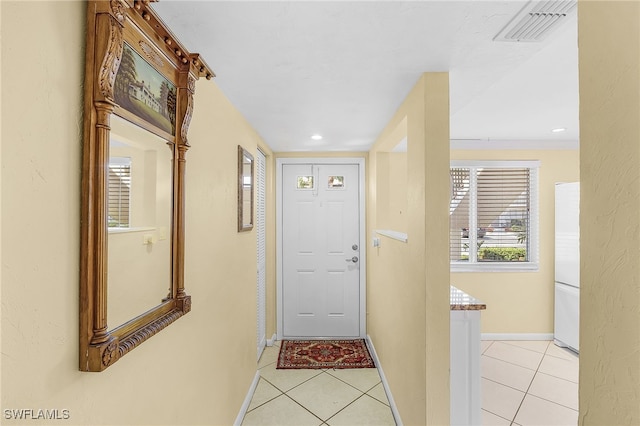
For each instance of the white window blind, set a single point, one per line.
(119, 189)
(493, 214)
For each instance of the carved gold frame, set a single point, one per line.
(109, 25)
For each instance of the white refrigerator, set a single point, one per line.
(567, 266)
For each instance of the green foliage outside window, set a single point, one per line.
(503, 254)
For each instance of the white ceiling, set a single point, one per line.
(341, 69)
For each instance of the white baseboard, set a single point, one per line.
(273, 339)
(385, 384)
(247, 400)
(516, 336)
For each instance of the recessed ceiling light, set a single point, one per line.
(316, 137)
(559, 130)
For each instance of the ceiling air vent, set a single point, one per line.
(536, 20)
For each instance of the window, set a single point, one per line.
(119, 191)
(336, 182)
(304, 182)
(493, 215)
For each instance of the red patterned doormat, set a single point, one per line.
(314, 354)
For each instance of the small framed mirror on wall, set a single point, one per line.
(245, 190)
(138, 103)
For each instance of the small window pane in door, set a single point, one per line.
(304, 182)
(336, 182)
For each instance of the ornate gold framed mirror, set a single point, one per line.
(245, 190)
(139, 87)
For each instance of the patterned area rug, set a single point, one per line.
(314, 354)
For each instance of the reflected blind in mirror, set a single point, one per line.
(119, 192)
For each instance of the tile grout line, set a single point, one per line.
(536, 373)
(323, 420)
(284, 392)
(385, 403)
(308, 410)
(487, 348)
(266, 402)
(266, 365)
(506, 342)
(305, 408)
(559, 378)
(551, 375)
(497, 415)
(553, 402)
(557, 357)
(506, 386)
(347, 383)
(266, 381)
(529, 387)
(509, 362)
(344, 408)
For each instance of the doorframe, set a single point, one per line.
(360, 162)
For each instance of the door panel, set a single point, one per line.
(306, 297)
(335, 215)
(335, 293)
(320, 228)
(306, 235)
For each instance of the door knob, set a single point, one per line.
(354, 259)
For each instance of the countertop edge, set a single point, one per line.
(461, 301)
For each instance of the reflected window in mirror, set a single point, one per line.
(119, 187)
(245, 190)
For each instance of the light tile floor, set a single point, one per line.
(528, 383)
(523, 383)
(317, 397)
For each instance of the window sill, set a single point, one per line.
(495, 267)
(133, 229)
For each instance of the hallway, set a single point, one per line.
(523, 383)
(317, 397)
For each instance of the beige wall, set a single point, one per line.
(212, 349)
(499, 290)
(391, 191)
(408, 283)
(609, 57)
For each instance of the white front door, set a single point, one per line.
(321, 254)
